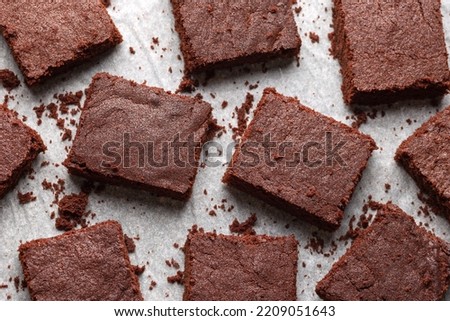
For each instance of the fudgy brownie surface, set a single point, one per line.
(48, 37)
(240, 268)
(91, 264)
(227, 33)
(393, 260)
(139, 136)
(19, 146)
(390, 50)
(314, 177)
(425, 155)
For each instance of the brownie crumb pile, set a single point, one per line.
(72, 212)
(246, 227)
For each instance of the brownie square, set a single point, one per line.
(240, 268)
(140, 136)
(392, 260)
(217, 34)
(425, 156)
(19, 147)
(390, 50)
(49, 37)
(299, 160)
(91, 264)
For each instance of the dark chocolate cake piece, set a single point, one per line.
(49, 37)
(390, 50)
(392, 260)
(91, 264)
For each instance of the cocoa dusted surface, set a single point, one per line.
(393, 260)
(19, 146)
(240, 268)
(217, 34)
(316, 192)
(48, 37)
(425, 156)
(390, 50)
(116, 107)
(91, 264)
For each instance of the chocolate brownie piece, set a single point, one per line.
(49, 37)
(19, 146)
(139, 136)
(390, 50)
(91, 264)
(217, 34)
(299, 160)
(240, 268)
(425, 156)
(393, 260)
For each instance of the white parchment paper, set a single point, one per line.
(160, 222)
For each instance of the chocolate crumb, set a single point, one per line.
(72, 212)
(153, 285)
(174, 264)
(45, 163)
(26, 198)
(242, 114)
(314, 37)
(187, 85)
(39, 110)
(9, 79)
(17, 283)
(67, 135)
(70, 98)
(375, 206)
(138, 270)
(73, 205)
(245, 228)
(387, 187)
(361, 118)
(177, 278)
(351, 233)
